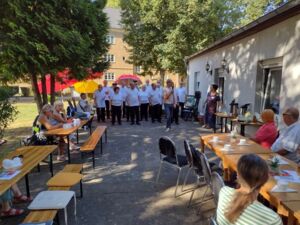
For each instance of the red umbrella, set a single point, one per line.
(129, 77)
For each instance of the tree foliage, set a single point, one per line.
(41, 37)
(113, 3)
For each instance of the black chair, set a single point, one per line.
(216, 183)
(189, 157)
(168, 156)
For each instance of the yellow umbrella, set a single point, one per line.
(87, 86)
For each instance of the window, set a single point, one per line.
(137, 69)
(110, 39)
(109, 76)
(109, 58)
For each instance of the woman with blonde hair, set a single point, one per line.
(267, 133)
(240, 206)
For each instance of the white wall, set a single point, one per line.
(281, 40)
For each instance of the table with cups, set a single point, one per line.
(279, 192)
(67, 130)
(28, 158)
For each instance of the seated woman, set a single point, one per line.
(83, 105)
(60, 117)
(12, 195)
(47, 122)
(267, 133)
(237, 207)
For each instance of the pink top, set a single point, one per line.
(266, 135)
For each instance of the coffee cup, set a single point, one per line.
(227, 147)
(242, 141)
(232, 133)
(282, 185)
(215, 139)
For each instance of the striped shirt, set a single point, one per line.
(254, 214)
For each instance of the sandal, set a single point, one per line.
(22, 199)
(12, 212)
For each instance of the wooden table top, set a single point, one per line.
(294, 206)
(248, 123)
(65, 132)
(225, 115)
(32, 156)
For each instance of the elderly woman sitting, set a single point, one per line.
(267, 133)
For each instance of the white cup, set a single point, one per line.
(67, 126)
(242, 141)
(227, 147)
(282, 185)
(215, 139)
(233, 133)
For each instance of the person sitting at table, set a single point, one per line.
(60, 117)
(46, 122)
(83, 105)
(267, 133)
(288, 141)
(12, 195)
(240, 206)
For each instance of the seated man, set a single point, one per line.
(83, 106)
(288, 142)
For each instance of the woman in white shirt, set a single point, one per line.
(116, 100)
(144, 100)
(240, 207)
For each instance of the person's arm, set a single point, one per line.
(58, 117)
(47, 125)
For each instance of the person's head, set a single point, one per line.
(116, 89)
(267, 116)
(99, 87)
(290, 116)
(181, 84)
(147, 82)
(58, 106)
(214, 87)
(158, 83)
(253, 173)
(153, 86)
(47, 110)
(114, 85)
(169, 83)
(123, 83)
(105, 83)
(144, 88)
(83, 96)
(132, 85)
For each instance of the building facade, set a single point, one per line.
(257, 64)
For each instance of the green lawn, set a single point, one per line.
(21, 127)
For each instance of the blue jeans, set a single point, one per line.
(169, 113)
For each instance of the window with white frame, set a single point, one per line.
(137, 69)
(110, 39)
(109, 58)
(109, 76)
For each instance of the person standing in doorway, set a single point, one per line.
(144, 100)
(99, 100)
(169, 102)
(116, 105)
(107, 91)
(133, 103)
(181, 94)
(211, 102)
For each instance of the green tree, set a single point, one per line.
(113, 3)
(42, 37)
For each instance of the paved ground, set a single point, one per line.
(122, 190)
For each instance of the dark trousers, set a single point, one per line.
(107, 109)
(144, 111)
(124, 110)
(127, 112)
(181, 104)
(115, 112)
(134, 114)
(100, 114)
(176, 114)
(156, 113)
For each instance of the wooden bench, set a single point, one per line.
(46, 215)
(92, 141)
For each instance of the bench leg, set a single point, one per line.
(81, 189)
(39, 168)
(93, 152)
(105, 135)
(101, 145)
(68, 143)
(27, 185)
(51, 164)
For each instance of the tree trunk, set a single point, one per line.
(52, 89)
(36, 92)
(162, 76)
(44, 89)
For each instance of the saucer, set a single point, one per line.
(215, 142)
(227, 150)
(246, 144)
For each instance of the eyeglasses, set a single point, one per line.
(286, 114)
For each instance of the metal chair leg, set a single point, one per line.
(159, 171)
(191, 198)
(177, 182)
(185, 179)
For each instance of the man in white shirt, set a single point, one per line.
(181, 95)
(288, 141)
(148, 86)
(123, 91)
(161, 91)
(133, 103)
(106, 91)
(83, 105)
(155, 97)
(99, 100)
(144, 101)
(170, 102)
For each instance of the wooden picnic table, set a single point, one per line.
(32, 156)
(230, 160)
(224, 116)
(293, 208)
(62, 132)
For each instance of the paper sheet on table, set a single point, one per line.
(293, 178)
(282, 161)
(6, 176)
(276, 189)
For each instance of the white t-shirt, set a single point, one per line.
(83, 106)
(161, 92)
(181, 94)
(116, 99)
(107, 92)
(155, 97)
(99, 97)
(132, 97)
(148, 88)
(123, 91)
(144, 97)
(172, 97)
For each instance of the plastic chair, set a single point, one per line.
(216, 183)
(168, 156)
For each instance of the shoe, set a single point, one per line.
(159, 121)
(113, 124)
(138, 124)
(120, 123)
(177, 123)
(168, 129)
(132, 124)
(153, 121)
